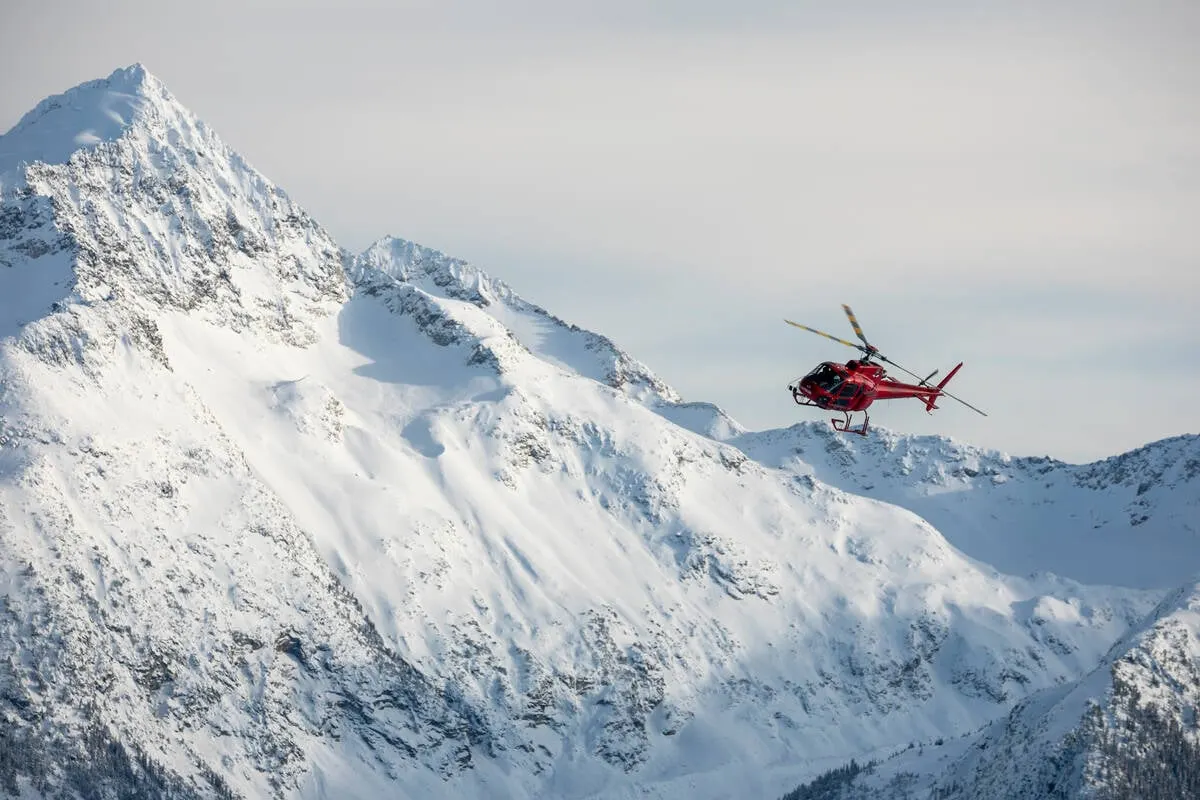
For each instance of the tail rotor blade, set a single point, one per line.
(823, 333)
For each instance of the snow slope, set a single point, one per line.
(281, 520)
(1130, 520)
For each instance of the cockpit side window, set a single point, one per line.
(827, 378)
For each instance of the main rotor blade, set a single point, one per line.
(823, 333)
(855, 325)
(887, 360)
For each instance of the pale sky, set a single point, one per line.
(1011, 184)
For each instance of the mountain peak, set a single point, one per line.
(409, 262)
(93, 112)
(187, 222)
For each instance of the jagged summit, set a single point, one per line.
(433, 270)
(96, 111)
(119, 196)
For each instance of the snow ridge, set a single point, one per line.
(1135, 514)
(392, 261)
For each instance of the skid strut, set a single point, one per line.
(843, 425)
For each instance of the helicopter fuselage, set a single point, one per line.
(855, 385)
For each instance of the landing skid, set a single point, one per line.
(839, 425)
(843, 425)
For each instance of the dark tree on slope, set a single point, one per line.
(96, 767)
(1144, 755)
(829, 785)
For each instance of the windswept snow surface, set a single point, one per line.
(284, 520)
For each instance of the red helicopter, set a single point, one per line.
(856, 384)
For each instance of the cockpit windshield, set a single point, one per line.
(826, 377)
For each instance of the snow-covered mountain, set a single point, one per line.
(281, 520)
